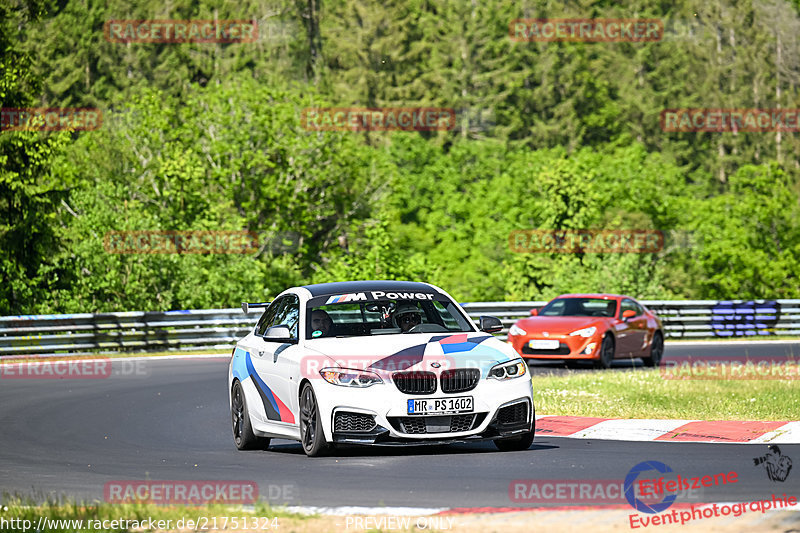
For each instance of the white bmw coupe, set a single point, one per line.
(376, 363)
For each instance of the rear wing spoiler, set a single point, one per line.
(246, 306)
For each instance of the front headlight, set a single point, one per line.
(347, 377)
(513, 369)
(585, 332)
(516, 330)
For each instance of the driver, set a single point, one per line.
(406, 316)
(321, 321)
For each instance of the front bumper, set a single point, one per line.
(569, 347)
(378, 415)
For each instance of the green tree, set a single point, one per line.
(29, 192)
(749, 237)
(226, 157)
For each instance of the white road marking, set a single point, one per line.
(786, 434)
(633, 430)
(346, 511)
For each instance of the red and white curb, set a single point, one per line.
(579, 427)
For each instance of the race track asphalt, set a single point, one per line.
(169, 420)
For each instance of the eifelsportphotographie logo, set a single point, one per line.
(638, 503)
(775, 463)
(181, 31)
(665, 482)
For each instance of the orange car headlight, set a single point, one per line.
(585, 332)
(516, 330)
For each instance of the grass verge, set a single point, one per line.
(644, 393)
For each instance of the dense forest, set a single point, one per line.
(547, 135)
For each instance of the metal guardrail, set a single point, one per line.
(91, 333)
(686, 318)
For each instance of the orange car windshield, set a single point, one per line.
(580, 307)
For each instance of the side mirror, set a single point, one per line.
(278, 333)
(490, 324)
(534, 312)
(628, 313)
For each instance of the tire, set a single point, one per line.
(516, 444)
(243, 435)
(606, 353)
(656, 351)
(311, 435)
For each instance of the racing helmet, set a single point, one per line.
(405, 308)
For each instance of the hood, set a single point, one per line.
(418, 351)
(563, 325)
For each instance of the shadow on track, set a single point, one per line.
(344, 451)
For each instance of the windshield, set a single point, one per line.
(580, 307)
(384, 317)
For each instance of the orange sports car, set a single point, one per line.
(596, 327)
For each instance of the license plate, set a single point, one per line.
(541, 344)
(440, 406)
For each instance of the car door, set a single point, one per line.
(262, 371)
(276, 360)
(636, 329)
(639, 329)
(625, 342)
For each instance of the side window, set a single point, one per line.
(639, 309)
(268, 318)
(444, 317)
(289, 314)
(627, 304)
